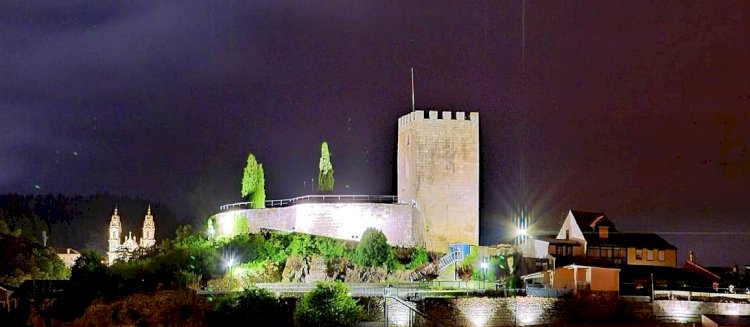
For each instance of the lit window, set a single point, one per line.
(661, 255)
(650, 254)
(638, 254)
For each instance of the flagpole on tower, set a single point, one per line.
(412, 89)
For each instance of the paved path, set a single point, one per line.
(404, 291)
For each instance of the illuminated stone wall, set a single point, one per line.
(344, 221)
(438, 173)
(604, 308)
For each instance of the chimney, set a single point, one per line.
(603, 232)
(691, 256)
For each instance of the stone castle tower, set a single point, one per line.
(438, 174)
(124, 250)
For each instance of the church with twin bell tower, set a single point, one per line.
(119, 250)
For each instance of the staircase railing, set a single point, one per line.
(444, 261)
(449, 259)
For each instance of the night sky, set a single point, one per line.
(638, 109)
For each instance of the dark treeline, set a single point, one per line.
(80, 222)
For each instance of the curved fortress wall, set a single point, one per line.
(345, 221)
(438, 174)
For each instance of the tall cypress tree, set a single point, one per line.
(325, 175)
(253, 183)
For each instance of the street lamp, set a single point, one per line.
(484, 272)
(229, 265)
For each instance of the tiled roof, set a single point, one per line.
(634, 240)
(587, 221)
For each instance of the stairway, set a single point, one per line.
(444, 261)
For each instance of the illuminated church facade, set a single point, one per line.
(119, 250)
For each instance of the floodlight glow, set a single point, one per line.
(226, 224)
(484, 265)
(521, 232)
(230, 263)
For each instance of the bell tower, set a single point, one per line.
(115, 231)
(149, 230)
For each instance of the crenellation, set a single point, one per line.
(447, 115)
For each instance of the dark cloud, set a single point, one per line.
(636, 108)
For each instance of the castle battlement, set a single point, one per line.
(419, 115)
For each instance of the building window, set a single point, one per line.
(650, 254)
(594, 252)
(620, 253)
(607, 253)
(569, 251)
(638, 254)
(560, 250)
(661, 255)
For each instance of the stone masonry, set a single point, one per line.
(438, 174)
(346, 221)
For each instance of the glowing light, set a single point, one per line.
(477, 311)
(521, 232)
(226, 224)
(304, 219)
(230, 263)
(239, 272)
(528, 310)
(398, 315)
(483, 264)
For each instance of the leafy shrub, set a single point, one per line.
(329, 304)
(373, 249)
(252, 307)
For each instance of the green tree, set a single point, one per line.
(253, 183)
(252, 307)
(258, 198)
(88, 271)
(420, 258)
(22, 259)
(373, 249)
(329, 304)
(325, 175)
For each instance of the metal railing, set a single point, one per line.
(450, 258)
(316, 199)
(444, 261)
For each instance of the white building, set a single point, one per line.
(125, 250)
